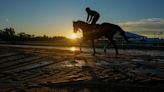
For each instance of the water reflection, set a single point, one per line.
(73, 49)
(122, 51)
(73, 63)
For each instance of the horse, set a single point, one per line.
(91, 32)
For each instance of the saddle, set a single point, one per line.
(93, 32)
(94, 27)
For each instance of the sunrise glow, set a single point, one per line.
(73, 36)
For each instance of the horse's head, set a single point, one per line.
(79, 25)
(75, 26)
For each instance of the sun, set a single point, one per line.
(73, 36)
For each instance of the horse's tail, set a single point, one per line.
(122, 32)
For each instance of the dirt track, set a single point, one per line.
(54, 70)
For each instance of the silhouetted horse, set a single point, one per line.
(107, 30)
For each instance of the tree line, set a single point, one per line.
(9, 34)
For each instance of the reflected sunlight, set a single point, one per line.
(73, 48)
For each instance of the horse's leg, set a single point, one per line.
(106, 46)
(93, 46)
(123, 34)
(80, 45)
(115, 46)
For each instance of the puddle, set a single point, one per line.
(115, 63)
(73, 49)
(143, 71)
(71, 63)
(137, 60)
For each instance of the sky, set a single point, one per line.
(54, 17)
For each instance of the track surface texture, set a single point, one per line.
(56, 70)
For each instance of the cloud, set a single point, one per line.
(145, 26)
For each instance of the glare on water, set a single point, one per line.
(73, 48)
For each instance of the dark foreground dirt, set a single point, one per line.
(54, 70)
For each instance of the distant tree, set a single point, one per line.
(32, 36)
(8, 34)
(22, 36)
(45, 37)
(9, 31)
(1, 33)
(58, 38)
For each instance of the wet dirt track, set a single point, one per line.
(54, 70)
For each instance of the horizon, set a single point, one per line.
(54, 17)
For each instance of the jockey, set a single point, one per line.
(93, 16)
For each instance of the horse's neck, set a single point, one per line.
(84, 27)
